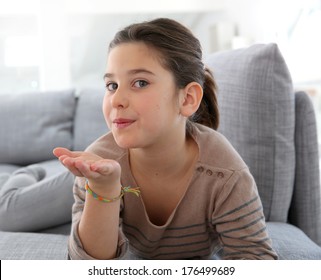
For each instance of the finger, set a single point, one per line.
(84, 168)
(58, 152)
(104, 167)
(62, 158)
(70, 164)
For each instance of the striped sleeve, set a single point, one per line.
(75, 248)
(239, 220)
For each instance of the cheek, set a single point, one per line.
(106, 110)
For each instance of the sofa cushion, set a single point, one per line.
(256, 102)
(35, 206)
(8, 168)
(33, 246)
(290, 243)
(61, 229)
(52, 167)
(32, 124)
(89, 121)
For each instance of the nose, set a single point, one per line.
(119, 99)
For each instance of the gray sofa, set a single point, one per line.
(273, 128)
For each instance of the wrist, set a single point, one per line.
(110, 189)
(113, 198)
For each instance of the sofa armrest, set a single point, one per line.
(305, 210)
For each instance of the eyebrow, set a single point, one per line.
(131, 72)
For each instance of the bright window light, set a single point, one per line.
(305, 43)
(21, 51)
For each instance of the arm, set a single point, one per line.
(98, 222)
(239, 220)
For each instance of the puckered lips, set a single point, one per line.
(122, 123)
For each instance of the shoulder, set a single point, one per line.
(215, 150)
(223, 169)
(106, 147)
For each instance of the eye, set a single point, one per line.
(111, 86)
(140, 84)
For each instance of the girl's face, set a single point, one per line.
(141, 104)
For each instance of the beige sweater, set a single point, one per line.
(220, 209)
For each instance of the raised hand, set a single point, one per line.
(99, 171)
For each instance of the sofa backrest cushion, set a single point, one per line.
(89, 121)
(305, 210)
(256, 102)
(33, 124)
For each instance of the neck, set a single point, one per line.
(164, 160)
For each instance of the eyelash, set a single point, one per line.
(115, 84)
(109, 84)
(139, 81)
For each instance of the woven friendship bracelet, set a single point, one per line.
(124, 190)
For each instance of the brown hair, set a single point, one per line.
(181, 54)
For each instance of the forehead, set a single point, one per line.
(134, 54)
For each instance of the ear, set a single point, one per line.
(190, 99)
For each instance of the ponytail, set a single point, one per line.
(208, 113)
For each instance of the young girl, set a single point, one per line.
(195, 195)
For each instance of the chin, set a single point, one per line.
(131, 140)
(124, 143)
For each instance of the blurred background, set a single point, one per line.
(52, 44)
(58, 44)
